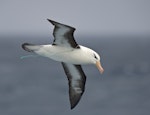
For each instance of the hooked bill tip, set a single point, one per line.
(99, 66)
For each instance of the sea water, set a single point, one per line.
(39, 86)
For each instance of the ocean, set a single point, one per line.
(39, 86)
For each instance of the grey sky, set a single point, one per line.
(87, 16)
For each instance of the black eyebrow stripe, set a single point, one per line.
(95, 56)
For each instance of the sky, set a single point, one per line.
(94, 17)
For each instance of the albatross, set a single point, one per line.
(71, 55)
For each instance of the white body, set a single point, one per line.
(69, 55)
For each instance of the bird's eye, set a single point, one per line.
(95, 56)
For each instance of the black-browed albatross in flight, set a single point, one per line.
(66, 50)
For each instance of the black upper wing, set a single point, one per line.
(76, 79)
(63, 35)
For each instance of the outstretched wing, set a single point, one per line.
(63, 35)
(76, 79)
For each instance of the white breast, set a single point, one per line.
(68, 55)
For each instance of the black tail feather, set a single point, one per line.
(24, 46)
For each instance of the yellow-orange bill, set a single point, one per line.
(99, 66)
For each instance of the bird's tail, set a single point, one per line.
(31, 47)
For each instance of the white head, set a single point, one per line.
(95, 58)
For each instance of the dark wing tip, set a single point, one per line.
(75, 100)
(57, 24)
(25, 48)
(24, 45)
(54, 22)
(51, 21)
(72, 106)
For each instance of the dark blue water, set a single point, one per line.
(38, 86)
